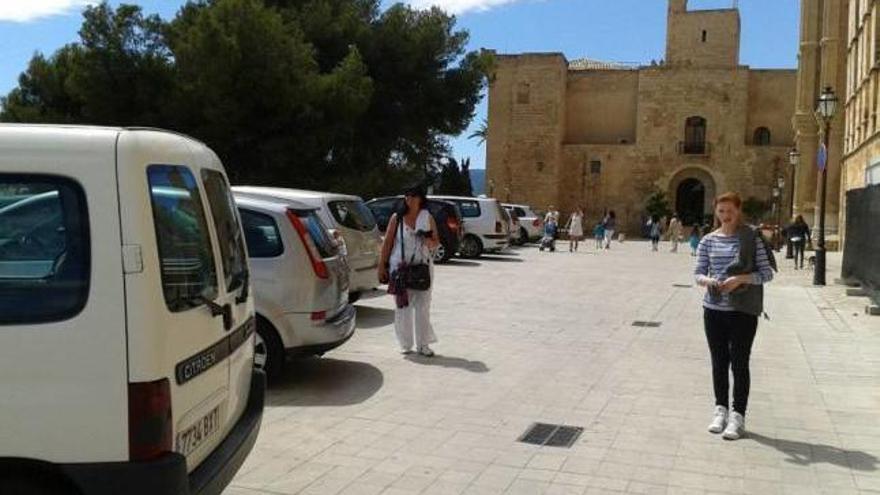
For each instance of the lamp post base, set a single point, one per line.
(819, 269)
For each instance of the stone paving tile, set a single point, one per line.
(550, 340)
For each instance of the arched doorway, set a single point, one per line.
(690, 201)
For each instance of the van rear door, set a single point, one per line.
(178, 320)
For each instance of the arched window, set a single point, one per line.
(761, 137)
(695, 136)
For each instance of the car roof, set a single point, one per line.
(86, 131)
(294, 193)
(463, 198)
(436, 199)
(274, 204)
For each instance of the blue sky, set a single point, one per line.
(613, 30)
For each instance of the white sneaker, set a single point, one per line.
(719, 420)
(736, 427)
(426, 351)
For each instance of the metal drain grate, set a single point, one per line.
(551, 435)
(682, 286)
(649, 324)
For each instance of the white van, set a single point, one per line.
(486, 225)
(126, 320)
(350, 217)
(300, 282)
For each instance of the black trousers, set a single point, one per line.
(730, 335)
(799, 252)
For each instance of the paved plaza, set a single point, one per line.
(548, 337)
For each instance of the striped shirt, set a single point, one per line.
(718, 251)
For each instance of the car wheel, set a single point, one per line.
(268, 350)
(523, 237)
(471, 247)
(441, 254)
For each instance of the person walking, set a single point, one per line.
(599, 234)
(694, 239)
(799, 235)
(656, 232)
(733, 263)
(575, 229)
(675, 233)
(409, 240)
(609, 224)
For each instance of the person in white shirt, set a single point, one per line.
(575, 229)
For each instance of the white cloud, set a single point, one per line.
(461, 6)
(29, 10)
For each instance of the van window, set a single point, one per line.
(187, 262)
(228, 229)
(353, 214)
(469, 209)
(261, 235)
(383, 209)
(520, 212)
(44, 249)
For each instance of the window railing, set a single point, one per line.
(693, 148)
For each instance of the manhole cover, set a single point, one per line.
(551, 435)
(649, 324)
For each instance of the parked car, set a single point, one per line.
(300, 282)
(531, 224)
(126, 348)
(446, 216)
(513, 227)
(485, 227)
(345, 215)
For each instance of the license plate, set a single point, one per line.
(193, 437)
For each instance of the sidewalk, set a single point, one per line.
(548, 337)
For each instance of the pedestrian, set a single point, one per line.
(575, 229)
(694, 239)
(733, 263)
(553, 213)
(610, 224)
(675, 232)
(549, 239)
(799, 236)
(410, 238)
(599, 233)
(656, 232)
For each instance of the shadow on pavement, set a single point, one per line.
(804, 454)
(501, 259)
(461, 263)
(449, 362)
(324, 382)
(371, 317)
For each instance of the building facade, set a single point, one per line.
(606, 136)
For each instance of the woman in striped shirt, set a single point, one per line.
(730, 326)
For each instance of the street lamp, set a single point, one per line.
(825, 109)
(794, 158)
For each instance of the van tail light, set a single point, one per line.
(318, 264)
(319, 316)
(498, 228)
(536, 222)
(149, 420)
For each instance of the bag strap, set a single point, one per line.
(402, 250)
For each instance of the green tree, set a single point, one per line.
(658, 204)
(755, 209)
(482, 133)
(454, 179)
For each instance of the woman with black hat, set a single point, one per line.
(407, 247)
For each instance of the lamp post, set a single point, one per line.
(825, 112)
(780, 194)
(794, 157)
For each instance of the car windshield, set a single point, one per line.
(353, 214)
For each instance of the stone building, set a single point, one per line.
(606, 135)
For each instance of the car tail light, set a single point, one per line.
(319, 316)
(452, 223)
(537, 222)
(318, 264)
(149, 420)
(498, 227)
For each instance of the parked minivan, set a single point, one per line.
(486, 227)
(348, 216)
(300, 281)
(126, 319)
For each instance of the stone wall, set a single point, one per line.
(707, 38)
(602, 106)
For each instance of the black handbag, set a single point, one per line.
(412, 275)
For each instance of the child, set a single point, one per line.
(694, 239)
(599, 233)
(549, 240)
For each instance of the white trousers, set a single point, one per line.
(412, 324)
(609, 236)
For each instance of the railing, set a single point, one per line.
(698, 148)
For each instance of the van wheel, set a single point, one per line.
(441, 254)
(268, 350)
(471, 247)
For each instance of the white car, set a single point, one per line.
(486, 227)
(531, 224)
(348, 216)
(300, 281)
(126, 346)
